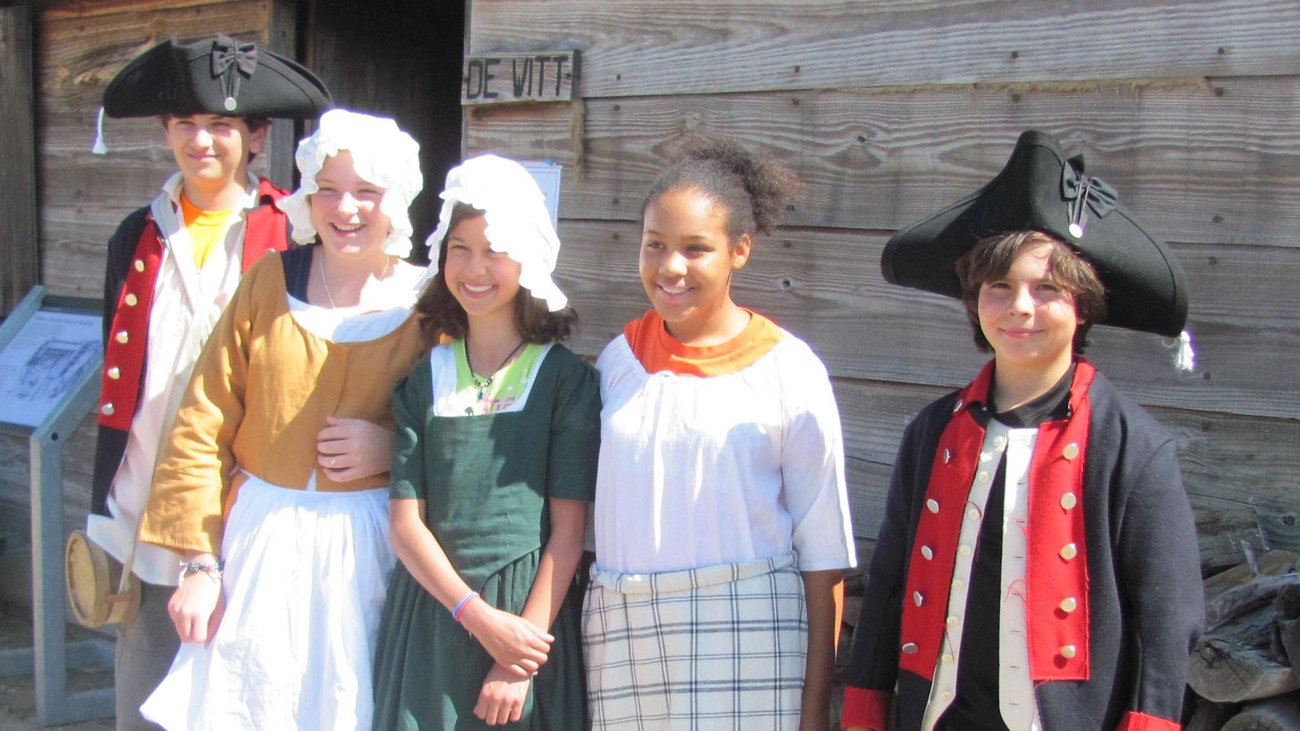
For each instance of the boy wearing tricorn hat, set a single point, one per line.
(1037, 566)
(172, 267)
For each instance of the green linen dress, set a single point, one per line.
(485, 480)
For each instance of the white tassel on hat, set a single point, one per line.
(1184, 357)
(100, 147)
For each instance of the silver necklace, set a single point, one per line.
(388, 261)
(483, 384)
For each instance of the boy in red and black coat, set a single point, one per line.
(1037, 566)
(172, 267)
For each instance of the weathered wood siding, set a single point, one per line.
(891, 110)
(18, 248)
(888, 110)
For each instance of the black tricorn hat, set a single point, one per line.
(215, 76)
(1040, 189)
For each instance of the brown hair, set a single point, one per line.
(442, 316)
(991, 259)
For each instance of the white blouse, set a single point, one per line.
(725, 469)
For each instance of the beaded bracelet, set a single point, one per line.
(460, 605)
(212, 569)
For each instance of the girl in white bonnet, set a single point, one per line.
(274, 481)
(495, 461)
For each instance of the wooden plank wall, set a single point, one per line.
(18, 248)
(889, 110)
(81, 44)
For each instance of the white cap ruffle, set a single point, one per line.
(381, 154)
(518, 222)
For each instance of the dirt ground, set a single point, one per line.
(18, 693)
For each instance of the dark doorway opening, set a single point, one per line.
(401, 59)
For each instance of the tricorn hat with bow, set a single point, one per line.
(215, 76)
(1042, 190)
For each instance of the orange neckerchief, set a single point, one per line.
(658, 351)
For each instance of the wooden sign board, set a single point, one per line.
(532, 76)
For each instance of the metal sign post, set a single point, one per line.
(45, 399)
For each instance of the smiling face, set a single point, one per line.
(686, 263)
(1027, 316)
(345, 210)
(483, 281)
(211, 150)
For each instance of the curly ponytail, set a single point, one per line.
(753, 187)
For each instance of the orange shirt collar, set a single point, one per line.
(658, 351)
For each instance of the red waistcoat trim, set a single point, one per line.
(126, 349)
(1056, 566)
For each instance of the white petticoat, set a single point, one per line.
(304, 586)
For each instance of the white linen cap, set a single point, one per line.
(381, 154)
(518, 223)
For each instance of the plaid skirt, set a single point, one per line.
(715, 647)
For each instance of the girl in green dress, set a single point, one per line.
(494, 464)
